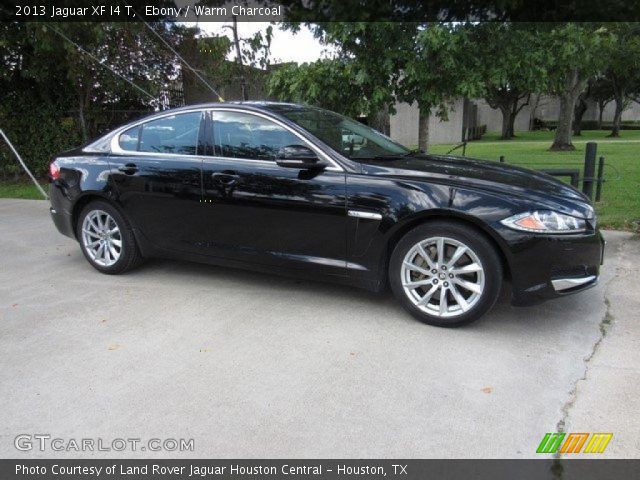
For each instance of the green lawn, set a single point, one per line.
(22, 189)
(619, 207)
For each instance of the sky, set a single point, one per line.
(285, 46)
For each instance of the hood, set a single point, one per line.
(469, 172)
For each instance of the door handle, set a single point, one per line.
(128, 169)
(226, 178)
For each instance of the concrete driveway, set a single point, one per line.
(250, 365)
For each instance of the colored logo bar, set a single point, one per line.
(573, 442)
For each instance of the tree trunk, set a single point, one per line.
(617, 117)
(507, 122)
(243, 78)
(516, 109)
(532, 114)
(423, 131)
(512, 122)
(601, 106)
(579, 112)
(562, 138)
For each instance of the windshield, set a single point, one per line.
(348, 137)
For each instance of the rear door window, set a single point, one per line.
(176, 134)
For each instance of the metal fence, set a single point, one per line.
(592, 181)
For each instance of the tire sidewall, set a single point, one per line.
(472, 238)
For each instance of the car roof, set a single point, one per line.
(251, 105)
(260, 105)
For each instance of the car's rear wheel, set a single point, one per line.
(445, 273)
(106, 238)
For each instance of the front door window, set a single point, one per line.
(246, 136)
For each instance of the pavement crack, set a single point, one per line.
(605, 322)
(603, 327)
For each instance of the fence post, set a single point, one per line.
(501, 158)
(589, 169)
(600, 179)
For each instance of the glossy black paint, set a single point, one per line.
(259, 215)
(263, 213)
(162, 198)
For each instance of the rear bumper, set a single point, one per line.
(546, 267)
(60, 210)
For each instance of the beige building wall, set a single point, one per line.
(492, 118)
(548, 109)
(404, 125)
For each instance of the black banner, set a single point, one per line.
(321, 469)
(319, 10)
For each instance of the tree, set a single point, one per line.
(96, 57)
(581, 108)
(456, 11)
(510, 60)
(410, 62)
(435, 72)
(208, 56)
(622, 72)
(602, 94)
(374, 53)
(55, 95)
(324, 83)
(31, 101)
(253, 51)
(576, 55)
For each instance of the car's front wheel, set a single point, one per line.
(445, 273)
(106, 238)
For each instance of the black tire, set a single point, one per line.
(130, 256)
(472, 239)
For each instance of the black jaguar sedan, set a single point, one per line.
(302, 191)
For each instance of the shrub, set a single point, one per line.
(37, 132)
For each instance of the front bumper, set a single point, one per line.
(566, 284)
(550, 266)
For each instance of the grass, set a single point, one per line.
(620, 204)
(21, 189)
(619, 207)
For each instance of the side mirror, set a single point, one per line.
(298, 156)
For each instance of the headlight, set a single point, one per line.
(545, 221)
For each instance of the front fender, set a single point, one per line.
(403, 204)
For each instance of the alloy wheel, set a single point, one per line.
(101, 238)
(442, 276)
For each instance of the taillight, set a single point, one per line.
(54, 170)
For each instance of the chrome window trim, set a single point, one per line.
(117, 150)
(249, 160)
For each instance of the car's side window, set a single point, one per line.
(247, 136)
(172, 134)
(129, 139)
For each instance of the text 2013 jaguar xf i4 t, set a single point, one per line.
(303, 191)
